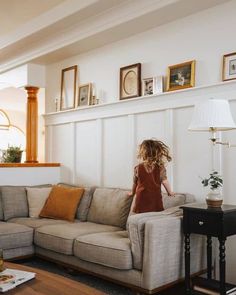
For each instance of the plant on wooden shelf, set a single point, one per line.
(12, 154)
(215, 182)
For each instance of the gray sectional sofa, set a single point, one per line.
(142, 251)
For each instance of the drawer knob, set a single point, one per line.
(200, 222)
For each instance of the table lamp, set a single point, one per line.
(213, 115)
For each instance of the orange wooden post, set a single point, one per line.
(32, 125)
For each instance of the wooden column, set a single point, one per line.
(32, 125)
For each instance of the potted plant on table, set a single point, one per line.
(215, 182)
(13, 154)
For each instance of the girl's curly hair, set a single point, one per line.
(153, 152)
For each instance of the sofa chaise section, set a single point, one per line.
(16, 240)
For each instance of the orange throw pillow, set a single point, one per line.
(62, 203)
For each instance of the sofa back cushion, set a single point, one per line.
(110, 206)
(14, 202)
(85, 202)
(36, 199)
(1, 209)
(62, 203)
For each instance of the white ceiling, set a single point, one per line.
(46, 31)
(14, 13)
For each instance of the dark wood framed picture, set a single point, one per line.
(181, 76)
(130, 81)
(84, 95)
(229, 66)
(68, 88)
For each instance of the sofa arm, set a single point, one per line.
(136, 226)
(163, 257)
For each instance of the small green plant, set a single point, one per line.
(12, 155)
(214, 181)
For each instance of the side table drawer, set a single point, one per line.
(204, 224)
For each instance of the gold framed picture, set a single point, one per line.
(68, 88)
(130, 81)
(84, 95)
(181, 76)
(229, 66)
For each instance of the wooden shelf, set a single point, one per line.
(23, 165)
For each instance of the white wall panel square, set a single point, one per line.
(117, 164)
(229, 162)
(151, 125)
(62, 149)
(86, 153)
(192, 155)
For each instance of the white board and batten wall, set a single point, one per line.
(97, 145)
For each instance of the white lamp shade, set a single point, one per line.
(213, 113)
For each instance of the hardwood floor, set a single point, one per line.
(177, 290)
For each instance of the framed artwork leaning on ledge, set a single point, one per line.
(130, 81)
(181, 76)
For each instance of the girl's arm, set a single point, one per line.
(165, 182)
(167, 187)
(132, 193)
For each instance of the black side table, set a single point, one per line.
(212, 222)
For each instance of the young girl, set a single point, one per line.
(149, 175)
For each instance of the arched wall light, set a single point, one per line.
(4, 121)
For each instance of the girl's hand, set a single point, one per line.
(171, 194)
(130, 194)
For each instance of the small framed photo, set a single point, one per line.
(84, 95)
(130, 81)
(181, 76)
(229, 66)
(152, 85)
(148, 86)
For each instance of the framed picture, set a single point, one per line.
(148, 86)
(130, 81)
(181, 76)
(229, 66)
(84, 94)
(68, 88)
(152, 85)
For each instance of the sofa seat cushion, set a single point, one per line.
(60, 237)
(15, 235)
(36, 222)
(111, 249)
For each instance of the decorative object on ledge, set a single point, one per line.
(229, 67)
(214, 197)
(84, 95)
(130, 81)
(4, 121)
(213, 115)
(12, 155)
(181, 76)
(68, 88)
(148, 86)
(152, 85)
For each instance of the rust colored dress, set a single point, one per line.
(148, 189)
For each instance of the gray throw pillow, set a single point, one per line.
(14, 202)
(110, 206)
(1, 209)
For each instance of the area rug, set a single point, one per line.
(97, 283)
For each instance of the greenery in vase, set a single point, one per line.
(215, 181)
(12, 155)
